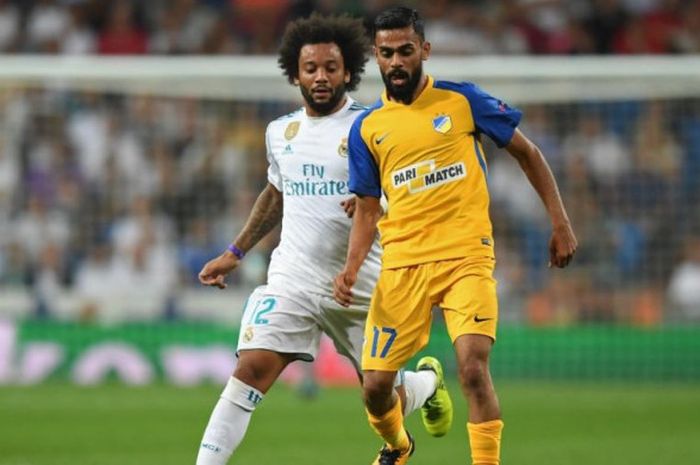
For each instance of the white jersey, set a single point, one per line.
(308, 163)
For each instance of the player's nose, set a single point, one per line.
(321, 76)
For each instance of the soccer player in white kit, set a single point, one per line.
(307, 191)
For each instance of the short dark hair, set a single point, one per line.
(399, 17)
(348, 33)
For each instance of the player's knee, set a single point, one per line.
(473, 375)
(252, 374)
(377, 388)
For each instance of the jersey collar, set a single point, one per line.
(337, 114)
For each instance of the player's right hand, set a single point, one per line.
(342, 287)
(215, 271)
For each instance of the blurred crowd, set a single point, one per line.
(117, 201)
(255, 26)
(106, 198)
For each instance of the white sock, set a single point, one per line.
(420, 385)
(228, 422)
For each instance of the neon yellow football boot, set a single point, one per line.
(437, 410)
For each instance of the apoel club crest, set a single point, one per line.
(442, 123)
(292, 130)
(343, 147)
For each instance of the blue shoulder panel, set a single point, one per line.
(364, 172)
(491, 115)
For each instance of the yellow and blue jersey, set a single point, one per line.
(428, 159)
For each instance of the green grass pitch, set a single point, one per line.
(558, 423)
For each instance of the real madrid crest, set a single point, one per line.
(442, 123)
(248, 335)
(343, 147)
(292, 130)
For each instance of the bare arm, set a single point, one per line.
(266, 214)
(563, 242)
(364, 229)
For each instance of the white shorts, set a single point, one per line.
(294, 325)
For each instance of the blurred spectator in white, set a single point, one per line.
(14, 264)
(127, 152)
(46, 25)
(603, 150)
(48, 280)
(509, 187)
(78, 38)
(88, 133)
(122, 35)
(9, 178)
(684, 287)
(142, 225)
(98, 283)
(38, 226)
(9, 27)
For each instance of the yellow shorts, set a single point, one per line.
(399, 319)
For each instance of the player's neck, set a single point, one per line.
(310, 112)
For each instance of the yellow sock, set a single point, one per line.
(485, 442)
(390, 427)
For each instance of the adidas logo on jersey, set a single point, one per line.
(287, 150)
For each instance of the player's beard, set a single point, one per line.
(326, 107)
(404, 92)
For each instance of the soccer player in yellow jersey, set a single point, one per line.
(421, 145)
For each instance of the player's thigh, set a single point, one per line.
(399, 318)
(470, 303)
(345, 327)
(279, 324)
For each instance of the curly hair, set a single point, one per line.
(345, 31)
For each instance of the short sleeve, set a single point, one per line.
(364, 172)
(492, 116)
(273, 170)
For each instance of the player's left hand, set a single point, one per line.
(562, 245)
(349, 206)
(342, 287)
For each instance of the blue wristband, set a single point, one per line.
(236, 251)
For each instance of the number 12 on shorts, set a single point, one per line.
(376, 332)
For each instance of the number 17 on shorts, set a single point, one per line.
(377, 349)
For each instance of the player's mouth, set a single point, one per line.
(321, 92)
(398, 78)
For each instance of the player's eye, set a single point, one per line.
(387, 53)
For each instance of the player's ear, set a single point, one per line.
(347, 77)
(375, 52)
(296, 81)
(425, 51)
